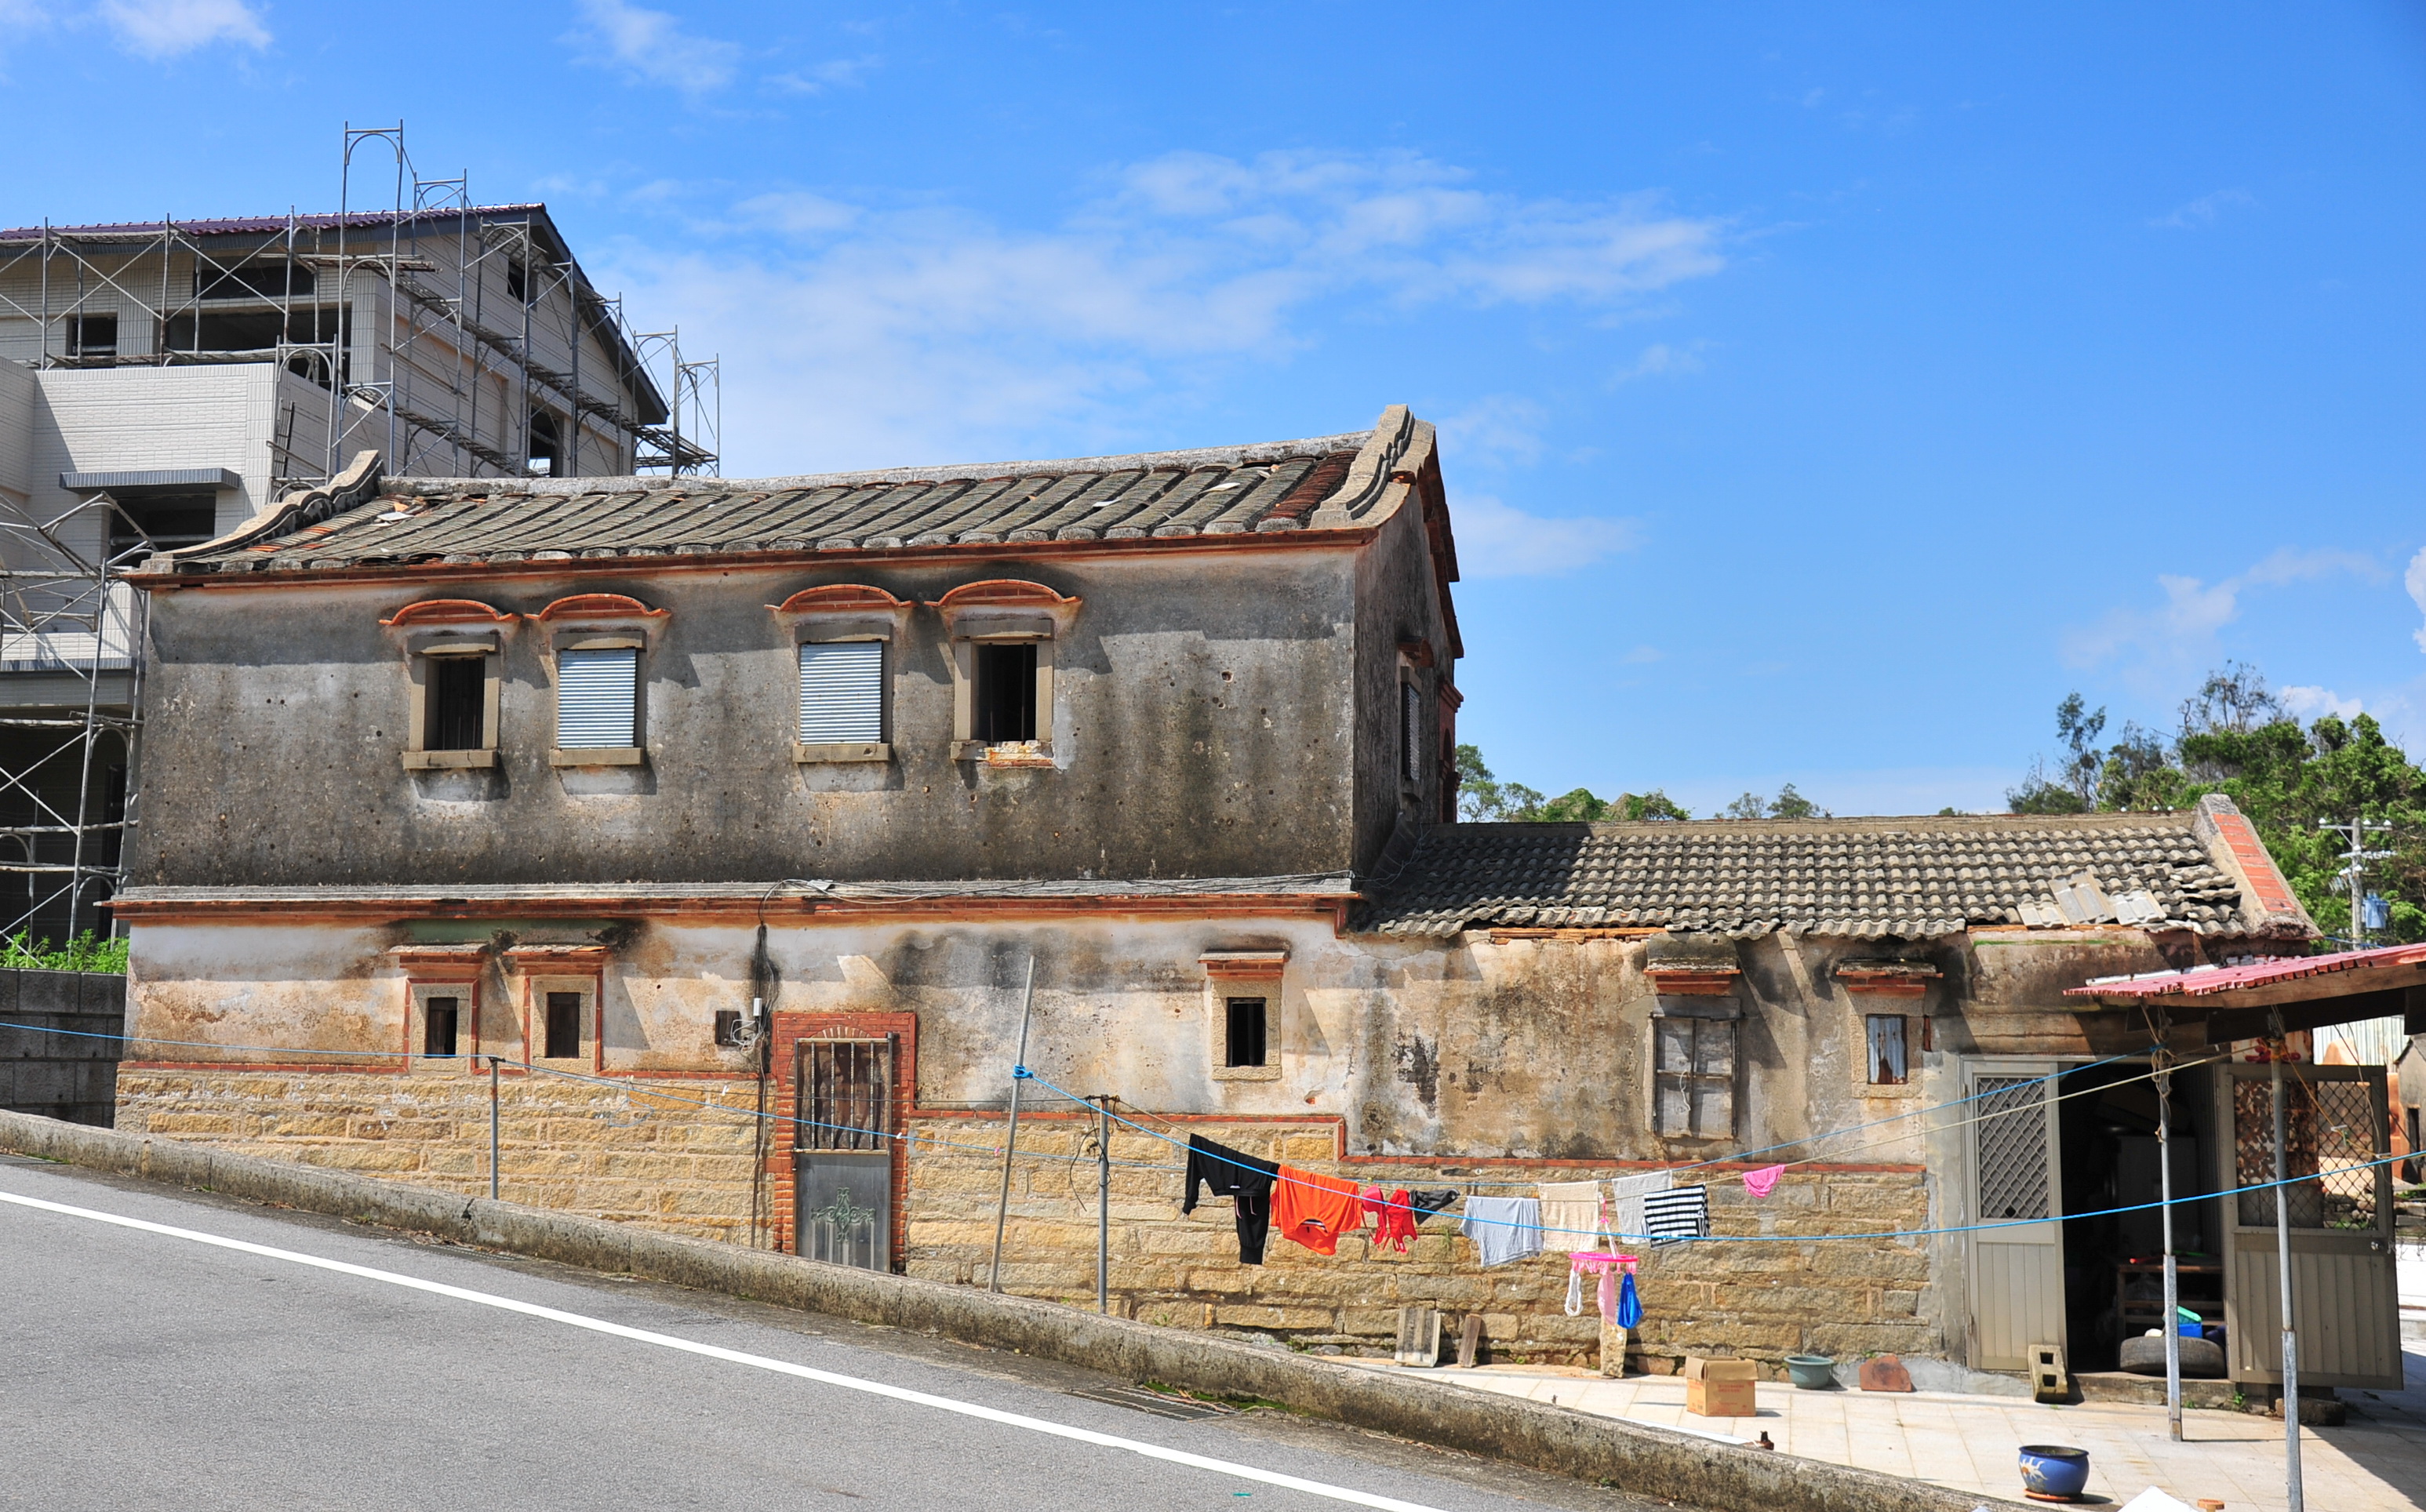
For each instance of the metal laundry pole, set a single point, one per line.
(1010, 1141)
(2276, 1051)
(1103, 1201)
(492, 1128)
(2165, 1066)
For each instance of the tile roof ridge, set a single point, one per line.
(1245, 454)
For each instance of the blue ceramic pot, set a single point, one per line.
(2054, 1470)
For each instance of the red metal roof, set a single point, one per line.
(2255, 973)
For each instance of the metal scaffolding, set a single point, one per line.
(450, 337)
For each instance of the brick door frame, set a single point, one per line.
(787, 1031)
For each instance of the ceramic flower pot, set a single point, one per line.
(1811, 1372)
(2054, 1470)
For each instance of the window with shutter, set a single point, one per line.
(1693, 1080)
(842, 692)
(597, 695)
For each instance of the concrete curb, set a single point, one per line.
(1647, 1461)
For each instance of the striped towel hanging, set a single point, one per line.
(1681, 1214)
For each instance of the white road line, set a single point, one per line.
(827, 1377)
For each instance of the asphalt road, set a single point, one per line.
(303, 1362)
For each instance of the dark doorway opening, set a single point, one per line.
(563, 1025)
(440, 1017)
(2113, 1282)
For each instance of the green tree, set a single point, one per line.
(1789, 804)
(1482, 797)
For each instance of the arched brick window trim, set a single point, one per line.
(841, 597)
(448, 611)
(598, 606)
(1003, 594)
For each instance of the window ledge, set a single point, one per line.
(1009, 753)
(1246, 1073)
(599, 756)
(433, 761)
(864, 751)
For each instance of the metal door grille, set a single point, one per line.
(2328, 1133)
(846, 1094)
(2013, 1136)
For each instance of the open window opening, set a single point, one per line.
(546, 450)
(441, 1017)
(459, 703)
(517, 281)
(278, 279)
(1004, 700)
(1411, 735)
(562, 1038)
(1244, 1040)
(91, 335)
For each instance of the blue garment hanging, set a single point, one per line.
(1630, 1305)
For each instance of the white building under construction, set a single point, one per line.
(163, 382)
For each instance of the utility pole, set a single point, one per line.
(2351, 879)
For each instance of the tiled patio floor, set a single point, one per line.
(2377, 1463)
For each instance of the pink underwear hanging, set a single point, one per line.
(1764, 1180)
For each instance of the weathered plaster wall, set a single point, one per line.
(1204, 728)
(1398, 598)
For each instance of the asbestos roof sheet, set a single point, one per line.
(1904, 878)
(2210, 980)
(1153, 496)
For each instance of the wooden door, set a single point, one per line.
(2344, 1301)
(2016, 1268)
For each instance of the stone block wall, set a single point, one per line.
(648, 1152)
(61, 1064)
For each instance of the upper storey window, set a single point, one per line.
(1003, 634)
(452, 647)
(598, 642)
(846, 634)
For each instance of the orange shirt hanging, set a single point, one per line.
(1315, 1211)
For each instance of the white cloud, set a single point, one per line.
(166, 29)
(651, 46)
(862, 334)
(2179, 634)
(2312, 703)
(1658, 358)
(2414, 580)
(2205, 211)
(1497, 539)
(838, 73)
(1497, 427)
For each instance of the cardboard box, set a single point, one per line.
(1720, 1388)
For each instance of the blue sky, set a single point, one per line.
(1825, 391)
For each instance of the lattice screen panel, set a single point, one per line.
(2013, 1142)
(2328, 1131)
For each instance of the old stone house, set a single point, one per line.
(582, 774)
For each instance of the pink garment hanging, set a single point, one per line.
(1764, 1180)
(1580, 1260)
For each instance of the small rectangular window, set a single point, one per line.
(1410, 721)
(1886, 1031)
(728, 1027)
(1693, 1080)
(842, 692)
(92, 335)
(252, 281)
(439, 1018)
(164, 521)
(563, 1025)
(1005, 698)
(597, 698)
(517, 283)
(459, 703)
(1245, 1042)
